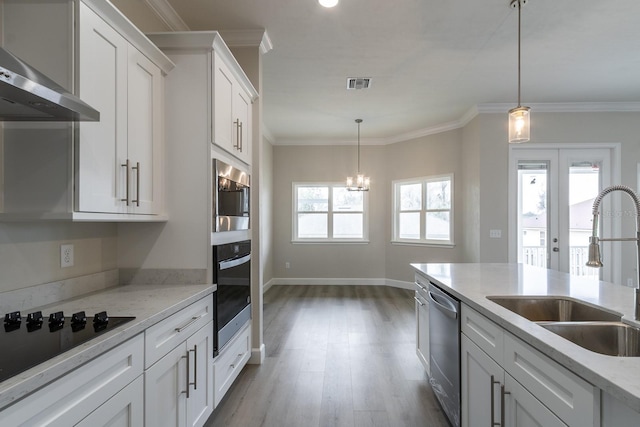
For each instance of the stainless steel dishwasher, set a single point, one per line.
(444, 350)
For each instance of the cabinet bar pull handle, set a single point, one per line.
(186, 325)
(195, 367)
(237, 144)
(418, 301)
(233, 365)
(188, 369)
(126, 165)
(137, 200)
(502, 394)
(493, 415)
(240, 140)
(418, 284)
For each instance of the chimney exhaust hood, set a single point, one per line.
(28, 95)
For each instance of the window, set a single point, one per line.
(423, 210)
(328, 212)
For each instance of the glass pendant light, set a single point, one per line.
(519, 117)
(362, 182)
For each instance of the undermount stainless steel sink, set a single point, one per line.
(610, 338)
(554, 309)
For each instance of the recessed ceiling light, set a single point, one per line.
(328, 3)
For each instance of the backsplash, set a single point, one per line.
(48, 293)
(158, 276)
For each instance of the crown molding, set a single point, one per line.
(566, 107)
(167, 14)
(248, 38)
(266, 134)
(561, 107)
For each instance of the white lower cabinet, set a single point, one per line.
(179, 386)
(422, 329)
(125, 409)
(230, 361)
(68, 401)
(525, 387)
(178, 375)
(484, 383)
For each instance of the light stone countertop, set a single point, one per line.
(148, 303)
(472, 283)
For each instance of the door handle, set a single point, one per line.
(137, 200)
(126, 199)
(448, 311)
(503, 393)
(556, 249)
(237, 144)
(493, 402)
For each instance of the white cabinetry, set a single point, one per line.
(179, 374)
(422, 321)
(119, 157)
(222, 85)
(125, 409)
(68, 401)
(232, 111)
(112, 169)
(526, 387)
(230, 361)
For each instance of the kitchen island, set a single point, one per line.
(149, 304)
(616, 378)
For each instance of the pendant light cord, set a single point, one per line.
(358, 148)
(519, 19)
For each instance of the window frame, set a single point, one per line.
(330, 214)
(422, 241)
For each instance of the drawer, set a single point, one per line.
(230, 362)
(72, 397)
(165, 335)
(568, 396)
(483, 332)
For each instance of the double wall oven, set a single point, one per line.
(231, 260)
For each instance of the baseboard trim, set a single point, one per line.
(338, 282)
(267, 286)
(257, 355)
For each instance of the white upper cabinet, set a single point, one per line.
(232, 111)
(111, 170)
(229, 93)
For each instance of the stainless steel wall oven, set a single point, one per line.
(232, 274)
(231, 197)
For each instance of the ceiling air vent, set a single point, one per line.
(358, 83)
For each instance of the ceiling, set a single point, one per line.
(432, 62)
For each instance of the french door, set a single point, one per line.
(551, 197)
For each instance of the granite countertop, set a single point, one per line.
(148, 303)
(472, 283)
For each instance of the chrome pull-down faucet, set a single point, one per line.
(595, 259)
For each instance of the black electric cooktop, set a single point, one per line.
(31, 340)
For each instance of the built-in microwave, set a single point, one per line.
(231, 194)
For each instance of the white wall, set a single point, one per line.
(379, 259)
(30, 252)
(491, 148)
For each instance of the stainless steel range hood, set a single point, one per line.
(28, 95)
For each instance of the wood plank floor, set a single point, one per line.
(335, 356)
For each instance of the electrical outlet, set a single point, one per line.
(495, 234)
(66, 256)
(287, 265)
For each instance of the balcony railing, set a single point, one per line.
(578, 256)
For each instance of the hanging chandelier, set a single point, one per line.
(519, 117)
(362, 182)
